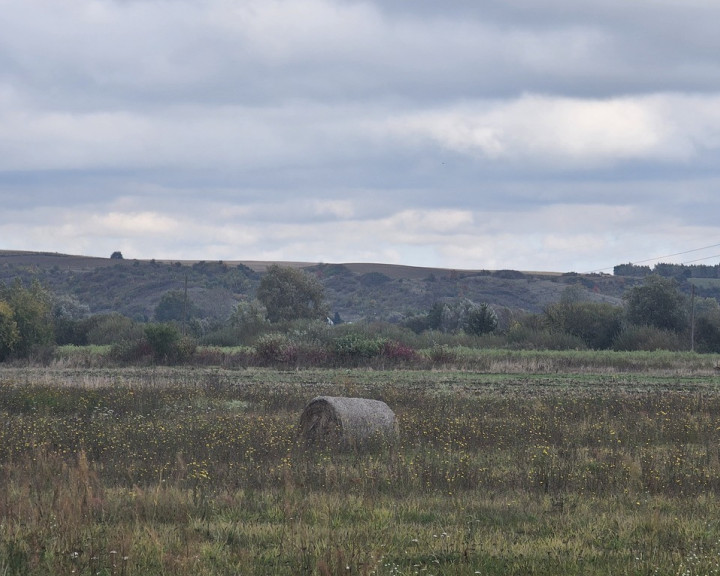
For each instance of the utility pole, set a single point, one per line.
(692, 319)
(185, 302)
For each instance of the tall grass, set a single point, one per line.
(378, 352)
(198, 471)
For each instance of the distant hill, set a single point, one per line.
(355, 291)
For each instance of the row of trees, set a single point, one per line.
(655, 314)
(31, 319)
(677, 271)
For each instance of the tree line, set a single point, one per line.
(290, 307)
(677, 271)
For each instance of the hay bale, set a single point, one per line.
(347, 422)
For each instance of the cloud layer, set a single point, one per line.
(562, 136)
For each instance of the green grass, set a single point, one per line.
(198, 471)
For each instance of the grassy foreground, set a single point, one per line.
(198, 471)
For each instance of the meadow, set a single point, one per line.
(532, 463)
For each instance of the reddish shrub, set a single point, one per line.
(398, 352)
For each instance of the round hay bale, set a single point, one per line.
(347, 422)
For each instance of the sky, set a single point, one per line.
(563, 135)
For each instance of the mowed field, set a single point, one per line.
(199, 471)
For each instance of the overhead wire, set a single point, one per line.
(701, 259)
(667, 256)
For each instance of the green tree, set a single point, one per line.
(249, 318)
(9, 334)
(291, 294)
(707, 325)
(431, 320)
(173, 307)
(595, 323)
(435, 316)
(167, 344)
(464, 314)
(657, 302)
(32, 312)
(481, 319)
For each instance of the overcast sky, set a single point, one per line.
(563, 135)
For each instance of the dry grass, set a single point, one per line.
(189, 471)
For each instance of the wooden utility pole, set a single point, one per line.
(692, 319)
(185, 306)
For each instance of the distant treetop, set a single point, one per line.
(117, 255)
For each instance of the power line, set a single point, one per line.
(700, 259)
(679, 254)
(666, 256)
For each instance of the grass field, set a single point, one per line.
(198, 471)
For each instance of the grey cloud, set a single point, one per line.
(270, 127)
(145, 53)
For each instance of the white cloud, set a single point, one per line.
(132, 224)
(536, 129)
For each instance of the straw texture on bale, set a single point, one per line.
(347, 422)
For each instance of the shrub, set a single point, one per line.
(648, 338)
(310, 354)
(595, 323)
(398, 352)
(480, 319)
(112, 328)
(529, 338)
(356, 348)
(184, 349)
(273, 349)
(707, 335)
(225, 336)
(167, 344)
(248, 320)
(418, 323)
(443, 355)
(131, 351)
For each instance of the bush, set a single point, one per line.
(398, 352)
(111, 329)
(275, 348)
(131, 351)
(529, 338)
(595, 323)
(355, 348)
(481, 319)
(249, 320)
(310, 354)
(167, 344)
(226, 336)
(707, 335)
(443, 356)
(417, 324)
(649, 338)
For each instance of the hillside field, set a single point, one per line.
(198, 471)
